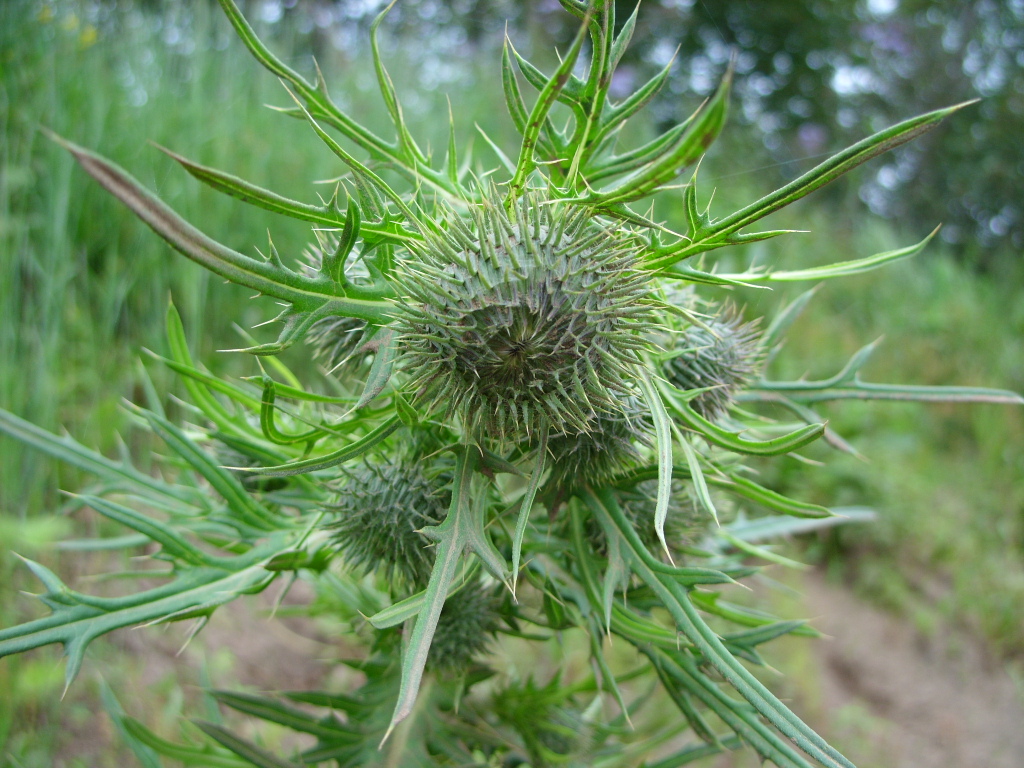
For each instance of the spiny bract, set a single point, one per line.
(526, 323)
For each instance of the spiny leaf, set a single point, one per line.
(526, 506)
(731, 440)
(663, 435)
(550, 91)
(69, 450)
(77, 619)
(350, 451)
(305, 293)
(274, 711)
(718, 234)
(700, 133)
(382, 368)
(677, 601)
(462, 530)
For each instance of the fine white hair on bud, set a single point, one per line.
(524, 320)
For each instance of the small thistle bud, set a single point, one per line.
(335, 340)
(338, 341)
(611, 445)
(466, 625)
(526, 323)
(685, 522)
(724, 355)
(380, 510)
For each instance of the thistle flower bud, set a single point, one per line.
(466, 625)
(380, 510)
(335, 340)
(525, 322)
(611, 445)
(338, 341)
(725, 355)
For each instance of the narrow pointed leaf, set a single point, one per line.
(350, 451)
(844, 268)
(303, 292)
(244, 749)
(817, 177)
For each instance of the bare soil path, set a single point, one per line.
(897, 699)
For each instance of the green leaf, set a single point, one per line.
(462, 530)
(845, 268)
(549, 93)
(145, 754)
(244, 749)
(77, 619)
(274, 711)
(350, 451)
(205, 756)
(408, 148)
(736, 484)
(676, 599)
(386, 342)
(246, 510)
(781, 323)
(718, 234)
(67, 449)
(526, 506)
(513, 96)
(403, 610)
(267, 422)
(173, 544)
(761, 552)
(701, 132)
(324, 215)
(306, 294)
(732, 441)
(663, 437)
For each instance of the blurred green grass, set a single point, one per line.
(84, 286)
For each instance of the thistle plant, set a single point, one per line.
(542, 427)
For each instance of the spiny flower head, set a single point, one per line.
(338, 341)
(524, 322)
(467, 623)
(379, 512)
(724, 354)
(612, 444)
